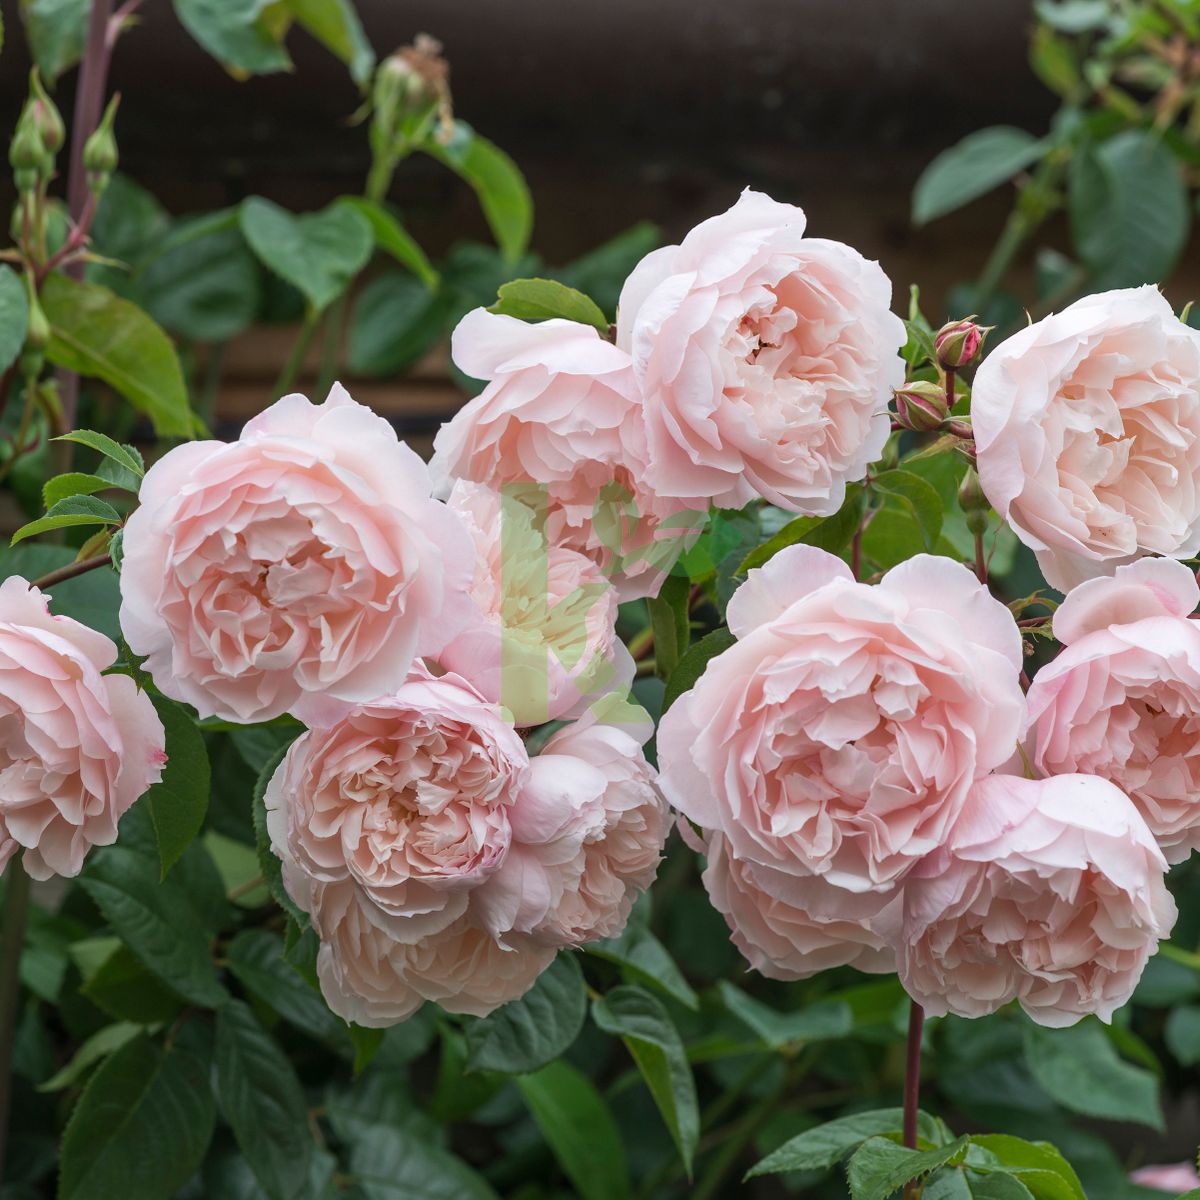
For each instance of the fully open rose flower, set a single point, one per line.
(588, 834)
(1088, 434)
(1122, 700)
(766, 359)
(791, 926)
(1051, 892)
(1176, 1178)
(561, 418)
(410, 797)
(544, 642)
(306, 559)
(77, 747)
(841, 734)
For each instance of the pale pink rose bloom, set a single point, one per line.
(1122, 700)
(840, 735)
(306, 560)
(1088, 434)
(766, 360)
(372, 974)
(411, 797)
(544, 641)
(1176, 1178)
(560, 422)
(1051, 892)
(790, 926)
(77, 747)
(588, 834)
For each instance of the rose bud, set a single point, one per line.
(957, 343)
(921, 406)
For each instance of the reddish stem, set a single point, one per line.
(71, 570)
(980, 560)
(912, 1084)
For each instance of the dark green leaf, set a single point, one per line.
(526, 1034)
(127, 457)
(73, 483)
(827, 1144)
(501, 188)
(580, 1129)
(335, 24)
(646, 1028)
(14, 316)
(367, 1043)
(1080, 1069)
(234, 33)
(318, 253)
(544, 299)
(643, 958)
(1129, 210)
(829, 533)
(394, 239)
(918, 498)
(949, 1184)
(178, 802)
(394, 321)
(124, 989)
(141, 1126)
(980, 162)
(881, 1168)
(395, 1164)
(56, 30)
(1183, 1034)
(1038, 1165)
(263, 1102)
(99, 1046)
(669, 621)
(691, 666)
(75, 510)
(94, 332)
(999, 1186)
(272, 868)
(825, 1019)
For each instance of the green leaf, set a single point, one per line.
(100, 1045)
(691, 666)
(1080, 1069)
(1129, 210)
(1074, 16)
(642, 957)
(816, 1022)
(918, 498)
(318, 253)
(73, 483)
(392, 237)
(501, 188)
(1038, 1165)
(670, 623)
(56, 30)
(980, 162)
(395, 320)
(14, 316)
(367, 1043)
(999, 1186)
(156, 920)
(125, 456)
(141, 1126)
(526, 1034)
(544, 299)
(272, 868)
(580, 1129)
(95, 333)
(263, 1102)
(235, 34)
(822, 1147)
(829, 533)
(880, 1168)
(601, 273)
(396, 1164)
(178, 802)
(1183, 1034)
(124, 989)
(335, 24)
(646, 1028)
(75, 510)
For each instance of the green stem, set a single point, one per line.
(16, 905)
(291, 369)
(331, 346)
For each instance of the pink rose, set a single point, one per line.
(840, 735)
(410, 797)
(561, 418)
(305, 560)
(1051, 892)
(588, 834)
(373, 974)
(766, 359)
(1088, 434)
(1122, 700)
(77, 747)
(544, 641)
(1177, 1178)
(791, 926)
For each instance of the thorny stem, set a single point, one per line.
(912, 1087)
(16, 905)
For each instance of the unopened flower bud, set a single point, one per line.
(100, 150)
(957, 343)
(43, 113)
(921, 406)
(973, 502)
(27, 156)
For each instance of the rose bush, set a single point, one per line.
(690, 775)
